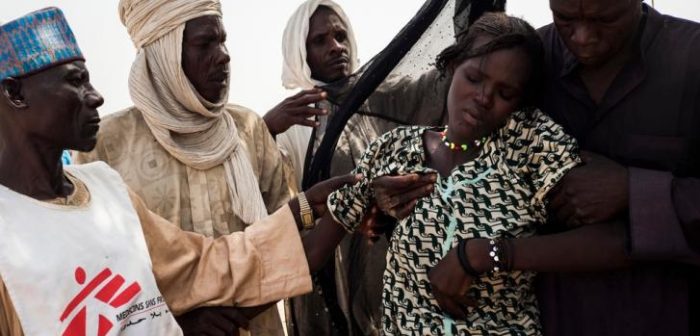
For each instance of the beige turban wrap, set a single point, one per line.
(295, 71)
(198, 133)
(148, 20)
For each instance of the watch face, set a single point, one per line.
(307, 219)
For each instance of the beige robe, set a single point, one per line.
(165, 184)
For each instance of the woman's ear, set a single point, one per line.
(12, 92)
(451, 68)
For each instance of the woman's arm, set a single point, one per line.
(588, 248)
(596, 247)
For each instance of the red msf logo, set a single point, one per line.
(108, 295)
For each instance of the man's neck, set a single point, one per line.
(35, 171)
(598, 79)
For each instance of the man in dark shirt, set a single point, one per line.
(625, 81)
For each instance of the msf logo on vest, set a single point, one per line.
(112, 293)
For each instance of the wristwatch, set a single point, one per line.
(307, 216)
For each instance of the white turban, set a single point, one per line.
(149, 20)
(198, 133)
(295, 71)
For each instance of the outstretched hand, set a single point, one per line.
(295, 110)
(375, 224)
(450, 285)
(397, 195)
(595, 192)
(318, 194)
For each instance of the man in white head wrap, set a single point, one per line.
(319, 49)
(194, 159)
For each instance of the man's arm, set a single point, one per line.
(264, 263)
(597, 247)
(667, 205)
(686, 193)
(657, 204)
(663, 206)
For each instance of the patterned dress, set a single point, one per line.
(500, 193)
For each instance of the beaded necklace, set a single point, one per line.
(457, 147)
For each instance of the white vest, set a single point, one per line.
(81, 271)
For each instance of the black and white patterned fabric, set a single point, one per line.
(500, 193)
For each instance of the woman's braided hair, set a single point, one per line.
(507, 32)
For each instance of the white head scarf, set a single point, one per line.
(198, 133)
(295, 71)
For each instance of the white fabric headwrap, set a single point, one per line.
(295, 71)
(198, 133)
(148, 20)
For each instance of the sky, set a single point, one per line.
(255, 37)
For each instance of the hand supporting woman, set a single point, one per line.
(321, 241)
(450, 280)
(568, 251)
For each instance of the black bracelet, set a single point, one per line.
(463, 260)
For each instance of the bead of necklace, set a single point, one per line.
(455, 146)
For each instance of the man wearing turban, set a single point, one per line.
(80, 254)
(320, 57)
(193, 158)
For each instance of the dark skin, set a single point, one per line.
(205, 59)
(295, 110)
(600, 34)
(593, 193)
(56, 109)
(566, 252)
(43, 114)
(597, 191)
(205, 62)
(224, 321)
(483, 93)
(319, 244)
(327, 46)
(328, 57)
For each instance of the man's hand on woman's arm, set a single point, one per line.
(318, 245)
(595, 192)
(320, 242)
(588, 248)
(397, 195)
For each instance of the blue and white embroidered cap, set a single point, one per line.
(36, 41)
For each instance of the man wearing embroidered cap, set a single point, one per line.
(79, 252)
(193, 158)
